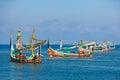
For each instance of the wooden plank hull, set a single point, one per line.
(103, 50)
(54, 53)
(20, 59)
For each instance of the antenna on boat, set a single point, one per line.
(60, 44)
(81, 41)
(39, 50)
(10, 40)
(48, 44)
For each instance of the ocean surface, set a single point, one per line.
(102, 66)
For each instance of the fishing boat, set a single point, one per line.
(56, 53)
(104, 47)
(26, 53)
(109, 45)
(95, 47)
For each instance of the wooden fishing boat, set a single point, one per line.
(106, 46)
(55, 53)
(95, 47)
(21, 54)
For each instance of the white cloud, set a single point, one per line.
(68, 28)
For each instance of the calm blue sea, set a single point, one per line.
(102, 66)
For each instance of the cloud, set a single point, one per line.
(67, 26)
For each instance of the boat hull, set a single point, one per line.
(20, 59)
(54, 53)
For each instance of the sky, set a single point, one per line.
(67, 20)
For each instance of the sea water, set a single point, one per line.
(102, 66)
